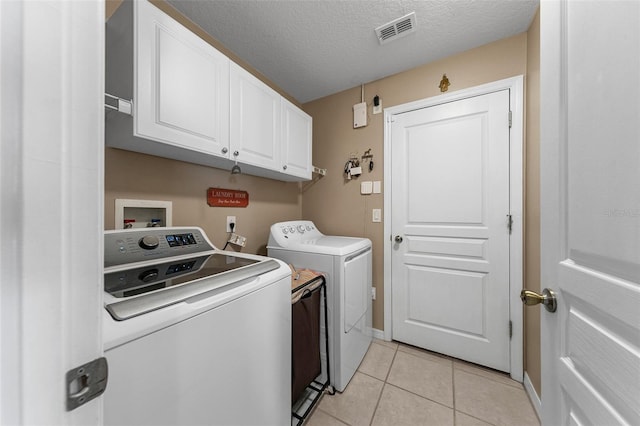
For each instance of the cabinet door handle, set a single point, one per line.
(236, 153)
(225, 150)
(284, 167)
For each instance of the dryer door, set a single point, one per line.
(357, 284)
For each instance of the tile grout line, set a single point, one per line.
(384, 383)
(516, 384)
(453, 388)
(455, 410)
(420, 396)
(332, 416)
(417, 394)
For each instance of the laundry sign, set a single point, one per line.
(220, 197)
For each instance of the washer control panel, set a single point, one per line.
(284, 233)
(126, 246)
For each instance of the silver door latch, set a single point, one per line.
(86, 382)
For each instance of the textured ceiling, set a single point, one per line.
(314, 48)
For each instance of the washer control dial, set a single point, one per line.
(149, 242)
(301, 229)
(148, 275)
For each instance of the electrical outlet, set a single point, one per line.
(238, 240)
(373, 293)
(230, 220)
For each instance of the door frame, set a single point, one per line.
(51, 206)
(516, 204)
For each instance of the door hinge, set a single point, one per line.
(510, 119)
(86, 382)
(510, 329)
(509, 223)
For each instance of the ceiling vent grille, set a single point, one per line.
(397, 28)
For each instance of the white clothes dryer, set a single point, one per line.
(347, 265)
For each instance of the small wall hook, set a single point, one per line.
(444, 83)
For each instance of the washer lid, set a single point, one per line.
(327, 244)
(161, 296)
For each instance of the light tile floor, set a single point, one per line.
(398, 385)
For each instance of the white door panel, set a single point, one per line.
(450, 204)
(356, 291)
(590, 181)
(296, 140)
(181, 84)
(182, 71)
(447, 285)
(255, 120)
(448, 156)
(51, 206)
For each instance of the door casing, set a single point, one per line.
(516, 204)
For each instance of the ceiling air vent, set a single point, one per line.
(397, 28)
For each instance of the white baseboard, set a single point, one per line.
(378, 334)
(533, 396)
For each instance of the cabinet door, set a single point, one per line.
(181, 87)
(296, 141)
(255, 120)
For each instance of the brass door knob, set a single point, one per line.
(547, 298)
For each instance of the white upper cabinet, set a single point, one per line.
(192, 103)
(181, 85)
(295, 154)
(255, 120)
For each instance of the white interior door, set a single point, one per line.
(450, 207)
(51, 205)
(590, 205)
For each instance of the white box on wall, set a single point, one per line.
(145, 213)
(360, 115)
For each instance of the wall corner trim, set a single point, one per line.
(532, 394)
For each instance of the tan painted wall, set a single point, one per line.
(110, 7)
(532, 205)
(139, 176)
(335, 204)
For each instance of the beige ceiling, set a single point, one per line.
(314, 48)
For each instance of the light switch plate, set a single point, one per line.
(366, 187)
(377, 215)
(377, 187)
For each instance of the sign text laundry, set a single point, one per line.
(219, 197)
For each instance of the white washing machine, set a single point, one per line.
(194, 335)
(346, 262)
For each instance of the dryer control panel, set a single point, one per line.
(283, 233)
